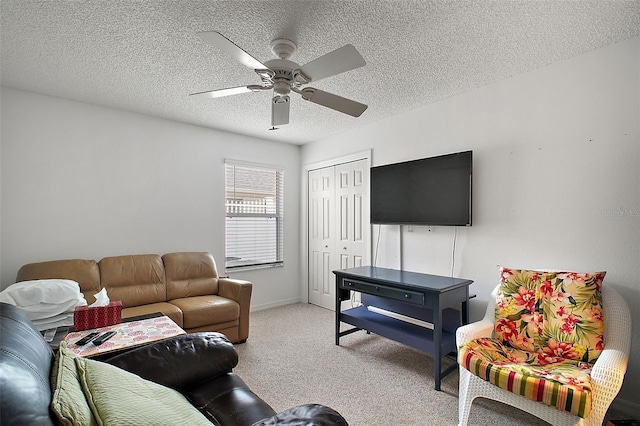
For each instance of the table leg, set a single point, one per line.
(338, 305)
(437, 346)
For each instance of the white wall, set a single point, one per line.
(81, 181)
(556, 177)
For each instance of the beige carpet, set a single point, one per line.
(290, 358)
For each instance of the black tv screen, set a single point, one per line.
(428, 191)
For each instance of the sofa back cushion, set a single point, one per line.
(135, 279)
(190, 274)
(84, 272)
(25, 368)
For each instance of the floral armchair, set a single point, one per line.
(555, 344)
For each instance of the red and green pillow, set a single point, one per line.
(557, 315)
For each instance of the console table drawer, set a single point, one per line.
(408, 296)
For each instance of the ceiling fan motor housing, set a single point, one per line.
(283, 75)
(281, 88)
(283, 48)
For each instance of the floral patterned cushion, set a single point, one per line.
(573, 324)
(557, 315)
(519, 320)
(564, 384)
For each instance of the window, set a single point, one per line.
(254, 215)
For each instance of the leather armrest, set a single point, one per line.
(308, 414)
(180, 362)
(234, 289)
(240, 291)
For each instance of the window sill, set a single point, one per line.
(251, 267)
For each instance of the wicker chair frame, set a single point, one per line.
(606, 376)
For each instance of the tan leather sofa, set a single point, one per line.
(185, 286)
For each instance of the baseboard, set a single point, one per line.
(627, 408)
(262, 307)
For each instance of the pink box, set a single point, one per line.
(85, 317)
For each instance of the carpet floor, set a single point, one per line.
(290, 358)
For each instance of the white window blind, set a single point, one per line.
(254, 215)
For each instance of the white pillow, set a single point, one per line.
(35, 292)
(44, 299)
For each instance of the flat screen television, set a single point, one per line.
(429, 191)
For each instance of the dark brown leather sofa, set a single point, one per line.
(184, 286)
(197, 365)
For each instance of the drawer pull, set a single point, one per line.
(407, 296)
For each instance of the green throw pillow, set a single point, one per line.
(117, 397)
(68, 402)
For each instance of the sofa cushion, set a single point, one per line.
(135, 280)
(69, 403)
(84, 272)
(25, 370)
(166, 308)
(180, 362)
(115, 396)
(190, 274)
(307, 414)
(201, 311)
(118, 397)
(564, 384)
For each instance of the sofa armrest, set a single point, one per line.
(308, 414)
(180, 362)
(239, 291)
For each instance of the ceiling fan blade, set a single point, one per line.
(280, 110)
(329, 100)
(223, 92)
(340, 60)
(229, 47)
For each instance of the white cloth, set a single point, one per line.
(62, 320)
(44, 299)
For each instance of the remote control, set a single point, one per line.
(106, 336)
(86, 339)
(50, 334)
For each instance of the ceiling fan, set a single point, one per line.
(284, 76)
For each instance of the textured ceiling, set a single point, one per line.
(144, 56)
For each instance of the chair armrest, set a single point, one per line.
(308, 414)
(180, 362)
(475, 330)
(609, 369)
(239, 291)
(479, 329)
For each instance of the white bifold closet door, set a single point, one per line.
(338, 220)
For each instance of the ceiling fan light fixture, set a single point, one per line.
(279, 110)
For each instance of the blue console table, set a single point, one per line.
(438, 300)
